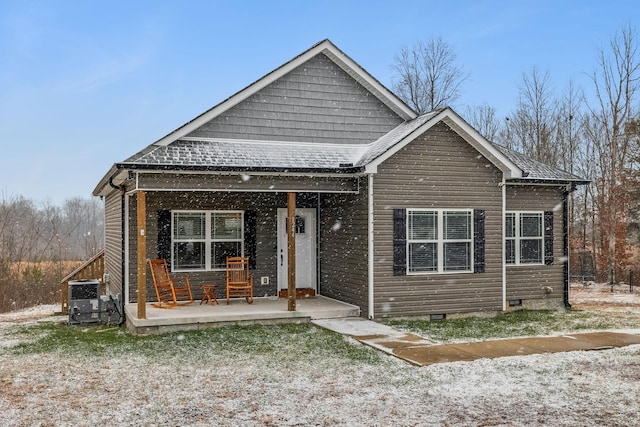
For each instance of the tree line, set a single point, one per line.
(596, 137)
(40, 244)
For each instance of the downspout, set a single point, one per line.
(122, 255)
(503, 184)
(370, 257)
(565, 239)
(125, 249)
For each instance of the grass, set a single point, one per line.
(517, 323)
(289, 342)
(286, 341)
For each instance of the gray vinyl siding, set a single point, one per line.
(233, 182)
(132, 255)
(437, 170)
(344, 247)
(528, 282)
(265, 206)
(113, 242)
(315, 102)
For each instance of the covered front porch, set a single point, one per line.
(263, 311)
(194, 223)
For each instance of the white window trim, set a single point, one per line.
(440, 242)
(207, 240)
(517, 238)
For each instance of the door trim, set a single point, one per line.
(281, 248)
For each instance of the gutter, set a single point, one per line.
(539, 181)
(343, 169)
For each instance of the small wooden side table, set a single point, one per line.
(209, 294)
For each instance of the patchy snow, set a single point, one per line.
(207, 388)
(590, 295)
(33, 313)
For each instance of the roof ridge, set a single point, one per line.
(273, 142)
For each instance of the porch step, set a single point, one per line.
(264, 310)
(300, 293)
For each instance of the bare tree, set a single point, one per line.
(84, 226)
(568, 127)
(616, 82)
(532, 124)
(427, 77)
(32, 236)
(483, 119)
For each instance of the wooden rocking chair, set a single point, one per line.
(239, 280)
(169, 295)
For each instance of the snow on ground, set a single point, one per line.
(602, 296)
(562, 389)
(29, 314)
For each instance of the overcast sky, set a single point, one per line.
(85, 84)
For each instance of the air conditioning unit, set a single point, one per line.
(84, 301)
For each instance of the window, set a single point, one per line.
(202, 240)
(439, 241)
(524, 238)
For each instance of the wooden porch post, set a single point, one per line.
(142, 255)
(291, 251)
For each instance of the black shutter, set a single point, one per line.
(478, 241)
(250, 240)
(164, 236)
(548, 237)
(399, 242)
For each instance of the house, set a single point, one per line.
(398, 213)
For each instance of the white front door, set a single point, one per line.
(306, 233)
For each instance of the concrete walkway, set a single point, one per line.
(421, 351)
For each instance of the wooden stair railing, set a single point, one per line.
(93, 268)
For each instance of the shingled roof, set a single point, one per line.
(243, 155)
(189, 149)
(212, 154)
(537, 171)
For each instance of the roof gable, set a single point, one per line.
(395, 140)
(315, 102)
(328, 50)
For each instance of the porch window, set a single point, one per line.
(524, 238)
(439, 241)
(202, 240)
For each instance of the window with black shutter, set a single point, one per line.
(437, 241)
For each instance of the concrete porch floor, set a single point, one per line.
(263, 310)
